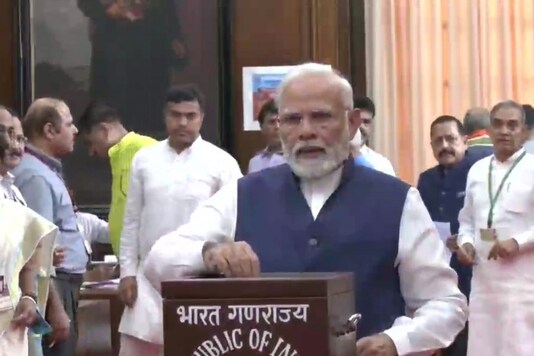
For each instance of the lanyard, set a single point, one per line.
(493, 199)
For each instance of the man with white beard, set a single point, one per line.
(309, 221)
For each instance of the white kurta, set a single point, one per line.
(501, 320)
(428, 284)
(379, 162)
(165, 188)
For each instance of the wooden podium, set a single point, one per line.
(275, 315)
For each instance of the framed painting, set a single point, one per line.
(126, 53)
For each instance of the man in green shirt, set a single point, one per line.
(104, 135)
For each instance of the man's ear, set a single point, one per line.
(355, 121)
(49, 130)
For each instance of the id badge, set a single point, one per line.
(488, 235)
(5, 299)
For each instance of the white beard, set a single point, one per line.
(318, 167)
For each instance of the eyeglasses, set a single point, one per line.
(21, 140)
(9, 131)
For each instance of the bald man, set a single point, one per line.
(330, 230)
(39, 176)
(476, 123)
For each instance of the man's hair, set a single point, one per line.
(444, 119)
(508, 104)
(476, 119)
(96, 113)
(12, 111)
(43, 111)
(185, 93)
(365, 103)
(311, 69)
(269, 108)
(529, 116)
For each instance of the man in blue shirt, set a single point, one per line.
(442, 189)
(50, 131)
(271, 155)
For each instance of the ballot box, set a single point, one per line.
(276, 315)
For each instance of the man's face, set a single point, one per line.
(62, 140)
(366, 127)
(183, 122)
(314, 125)
(507, 131)
(269, 130)
(7, 134)
(97, 141)
(17, 145)
(448, 145)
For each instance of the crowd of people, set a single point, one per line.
(317, 198)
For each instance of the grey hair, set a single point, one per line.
(310, 69)
(509, 104)
(476, 119)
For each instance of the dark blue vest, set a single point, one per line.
(443, 193)
(357, 230)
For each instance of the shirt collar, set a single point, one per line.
(119, 145)
(50, 161)
(8, 179)
(478, 134)
(194, 145)
(513, 157)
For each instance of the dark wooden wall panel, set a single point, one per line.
(7, 53)
(283, 32)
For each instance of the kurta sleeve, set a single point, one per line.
(466, 217)
(179, 253)
(129, 242)
(437, 310)
(230, 171)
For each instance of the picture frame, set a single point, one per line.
(58, 60)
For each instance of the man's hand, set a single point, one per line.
(58, 256)
(452, 243)
(128, 291)
(376, 345)
(466, 254)
(60, 323)
(504, 249)
(233, 259)
(25, 313)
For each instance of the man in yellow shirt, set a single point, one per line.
(104, 135)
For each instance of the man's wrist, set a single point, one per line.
(208, 245)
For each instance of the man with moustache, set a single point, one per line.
(496, 235)
(50, 130)
(330, 230)
(442, 189)
(168, 181)
(45, 293)
(22, 237)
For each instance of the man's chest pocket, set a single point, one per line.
(518, 198)
(198, 189)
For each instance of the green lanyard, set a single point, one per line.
(493, 199)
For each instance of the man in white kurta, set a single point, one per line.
(168, 181)
(498, 239)
(316, 115)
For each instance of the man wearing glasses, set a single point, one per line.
(10, 125)
(442, 189)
